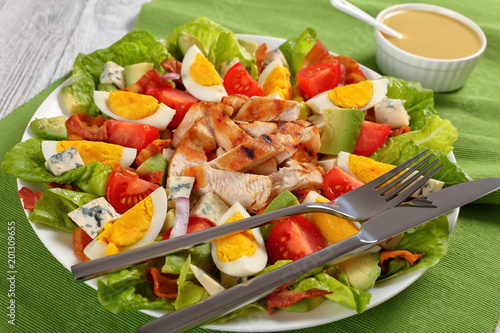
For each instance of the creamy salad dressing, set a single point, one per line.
(432, 35)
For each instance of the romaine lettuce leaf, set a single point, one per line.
(134, 47)
(25, 161)
(419, 102)
(202, 28)
(54, 205)
(129, 290)
(296, 49)
(430, 238)
(201, 256)
(398, 149)
(189, 293)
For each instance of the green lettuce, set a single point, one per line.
(134, 47)
(130, 290)
(399, 149)
(296, 49)
(189, 293)
(25, 161)
(419, 102)
(54, 205)
(203, 29)
(201, 256)
(430, 238)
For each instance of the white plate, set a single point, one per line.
(59, 243)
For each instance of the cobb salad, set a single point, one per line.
(166, 138)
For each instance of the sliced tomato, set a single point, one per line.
(194, 224)
(132, 135)
(238, 81)
(371, 137)
(87, 127)
(177, 99)
(294, 238)
(80, 242)
(315, 79)
(336, 182)
(124, 190)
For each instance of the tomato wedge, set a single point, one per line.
(238, 81)
(177, 99)
(195, 224)
(293, 238)
(131, 135)
(315, 79)
(337, 182)
(371, 137)
(124, 190)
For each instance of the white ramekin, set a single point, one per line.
(436, 74)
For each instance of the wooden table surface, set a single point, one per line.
(41, 39)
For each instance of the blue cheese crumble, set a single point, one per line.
(113, 73)
(64, 161)
(92, 216)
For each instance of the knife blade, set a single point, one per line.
(375, 230)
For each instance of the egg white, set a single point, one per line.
(243, 266)
(269, 68)
(49, 148)
(343, 163)
(321, 101)
(212, 94)
(97, 249)
(160, 119)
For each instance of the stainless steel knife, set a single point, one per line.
(375, 230)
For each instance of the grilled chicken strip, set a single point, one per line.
(251, 191)
(245, 156)
(194, 114)
(232, 104)
(268, 109)
(296, 176)
(256, 128)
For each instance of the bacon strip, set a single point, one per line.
(29, 198)
(388, 254)
(286, 297)
(153, 148)
(163, 286)
(87, 127)
(80, 242)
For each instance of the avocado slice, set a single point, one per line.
(154, 163)
(106, 87)
(362, 270)
(185, 41)
(134, 72)
(250, 46)
(69, 99)
(304, 305)
(342, 128)
(50, 128)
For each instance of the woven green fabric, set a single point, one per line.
(460, 294)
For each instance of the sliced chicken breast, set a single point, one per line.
(296, 176)
(268, 109)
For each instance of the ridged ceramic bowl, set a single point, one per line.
(440, 75)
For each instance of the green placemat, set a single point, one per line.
(460, 294)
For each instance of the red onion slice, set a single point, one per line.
(171, 76)
(181, 217)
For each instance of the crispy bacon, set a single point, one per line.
(80, 242)
(29, 198)
(153, 148)
(154, 177)
(286, 297)
(400, 130)
(388, 254)
(163, 286)
(64, 186)
(260, 54)
(88, 127)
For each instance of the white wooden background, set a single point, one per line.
(39, 40)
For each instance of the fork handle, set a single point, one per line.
(93, 268)
(247, 292)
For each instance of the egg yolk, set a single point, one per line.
(352, 96)
(233, 246)
(203, 72)
(365, 169)
(278, 81)
(106, 153)
(130, 105)
(129, 228)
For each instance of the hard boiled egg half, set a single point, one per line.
(92, 151)
(239, 254)
(275, 79)
(200, 77)
(138, 226)
(361, 96)
(133, 107)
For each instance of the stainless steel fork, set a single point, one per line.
(371, 199)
